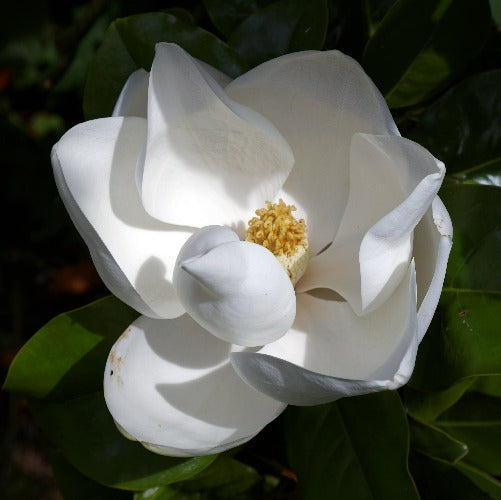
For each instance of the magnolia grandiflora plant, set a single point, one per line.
(283, 243)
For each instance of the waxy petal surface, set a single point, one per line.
(170, 385)
(392, 184)
(94, 165)
(330, 352)
(133, 99)
(318, 101)
(208, 159)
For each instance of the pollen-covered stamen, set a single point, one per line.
(276, 229)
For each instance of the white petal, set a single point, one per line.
(393, 183)
(208, 160)
(133, 99)
(170, 385)
(432, 245)
(236, 290)
(94, 165)
(317, 100)
(221, 78)
(330, 352)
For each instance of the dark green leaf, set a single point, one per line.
(129, 44)
(169, 493)
(66, 357)
(490, 385)
(435, 442)
(481, 479)
(375, 10)
(463, 340)
(476, 420)
(438, 480)
(228, 14)
(281, 27)
(224, 478)
(353, 448)
(420, 46)
(83, 430)
(463, 129)
(429, 405)
(75, 486)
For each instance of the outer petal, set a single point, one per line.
(208, 159)
(236, 290)
(317, 100)
(330, 352)
(133, 100)
(171, 386)
(94, 166)
(432, 245)
(393, 183)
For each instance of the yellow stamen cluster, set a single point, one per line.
(281, 233)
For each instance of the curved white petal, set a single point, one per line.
(222, 79)
(317, 100)
(208, 160)
(393, 182)
(133, 99)
(236, 290)
(170, 385)
(94, 166)
(330, 352)
(432, 245)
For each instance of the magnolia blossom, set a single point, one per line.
(230, 333)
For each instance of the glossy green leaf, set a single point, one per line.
(84, 431)
(481, 479)
(476, 420)
(224, 478)
(439, 480)
(281, 27)
(129, 44)
(169, 493)
(353, 448)
(435, 442)
(463, 128)
(66, 357)
(429, 405)
(228, 14)
(375, 10)
(421, 46)
(463, 340)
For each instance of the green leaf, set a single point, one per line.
(84, 431)
(438, 480)
(435, 442)
(169, 493)
(375, 10)
(281, 27)
(66, 357)
(490, 385)
(463, 340)
(481, 479)
(476, 420)
(224, 478)
(129, 44)
(429, 405)
(419, 47)
(463, 127)
(353, 448)
(75, 486)
(228, 14)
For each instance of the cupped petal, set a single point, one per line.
(330, 352)
(393, 182)
(208, 160)
(170, 385)
(222, 79)
(318, 101)
(432, 245)
(236, 290)
(94, 165)
(133, 99)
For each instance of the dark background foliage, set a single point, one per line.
(438, 64)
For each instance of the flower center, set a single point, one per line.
(276, 229)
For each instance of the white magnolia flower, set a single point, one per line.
(225, 341)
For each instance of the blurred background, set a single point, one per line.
(45, 50)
